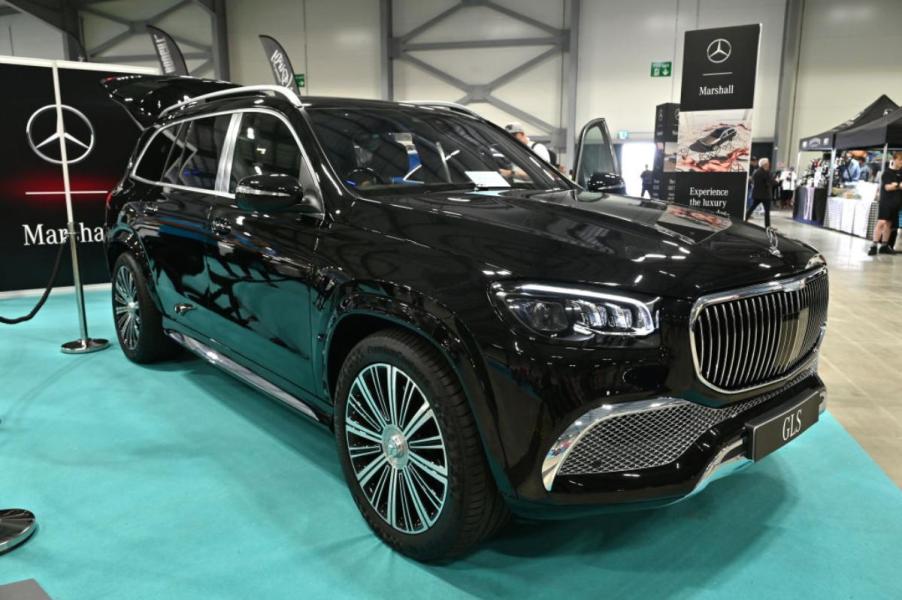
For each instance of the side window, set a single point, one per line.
(173, 167)
(155, 154)
(265, 145)
(202, 141)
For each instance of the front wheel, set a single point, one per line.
(410, 450)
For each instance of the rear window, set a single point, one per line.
(152, 160)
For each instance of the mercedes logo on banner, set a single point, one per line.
(43, 137)
(719, 50)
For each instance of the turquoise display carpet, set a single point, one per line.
(179, 482)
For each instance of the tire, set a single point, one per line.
(458, 514)
(137, 320)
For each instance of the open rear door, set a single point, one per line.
(596, 166)
(146, 96)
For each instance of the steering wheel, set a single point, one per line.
(374, 175)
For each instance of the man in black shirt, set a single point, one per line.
(888, 209)
(646, 178)
(762, 190)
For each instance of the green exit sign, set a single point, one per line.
(300, 80)
(661, 69)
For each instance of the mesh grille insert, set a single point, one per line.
(651, 438)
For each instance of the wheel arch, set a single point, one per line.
(125, 240)
(363, 314)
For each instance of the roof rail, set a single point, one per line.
(245, 89)
(443, 104)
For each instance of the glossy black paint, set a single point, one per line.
(286, 294)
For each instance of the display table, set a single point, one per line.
(810, 205)
(853, 216)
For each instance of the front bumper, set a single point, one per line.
(650, 453)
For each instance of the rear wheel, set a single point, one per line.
(138, 321)
(410, 450)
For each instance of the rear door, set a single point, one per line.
(174, 219)
(262, 266)
(596, 162)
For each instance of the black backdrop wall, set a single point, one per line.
(32, 203)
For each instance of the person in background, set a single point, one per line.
(849, 171)
(516, 130)
(787, 186)
(762, 190)
(865, 169)
(647, 176)
(888, 209)
(753, 164)
(778, 177)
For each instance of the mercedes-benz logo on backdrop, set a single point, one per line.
(44, 139)
(719, 50)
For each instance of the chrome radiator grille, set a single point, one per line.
(748, 338)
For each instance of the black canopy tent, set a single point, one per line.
(885, 131)
(827, 140)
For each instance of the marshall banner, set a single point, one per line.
(99, 139)
(715, 124)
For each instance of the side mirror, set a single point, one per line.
(269, 193)
(606, 182)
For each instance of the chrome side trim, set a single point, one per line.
(790, 284)
(557, 454)
(227, 154)
(240, 372)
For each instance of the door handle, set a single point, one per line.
(149, 209)
(221, 226)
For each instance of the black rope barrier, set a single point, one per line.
(45, 295)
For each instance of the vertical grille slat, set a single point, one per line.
(750, 338)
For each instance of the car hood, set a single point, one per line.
(590, 238)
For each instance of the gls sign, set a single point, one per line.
(792, 425)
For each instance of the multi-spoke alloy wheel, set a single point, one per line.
(126, 307)
(396, 448)
(410, 449)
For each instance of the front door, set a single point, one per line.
(262, 266)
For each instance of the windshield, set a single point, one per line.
(394, 150)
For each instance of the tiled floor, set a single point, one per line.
(861, 359)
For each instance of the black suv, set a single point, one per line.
(483, 336)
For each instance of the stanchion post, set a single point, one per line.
(84, 343)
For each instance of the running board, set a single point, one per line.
(241, 372)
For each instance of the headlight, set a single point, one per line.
(564, 312)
